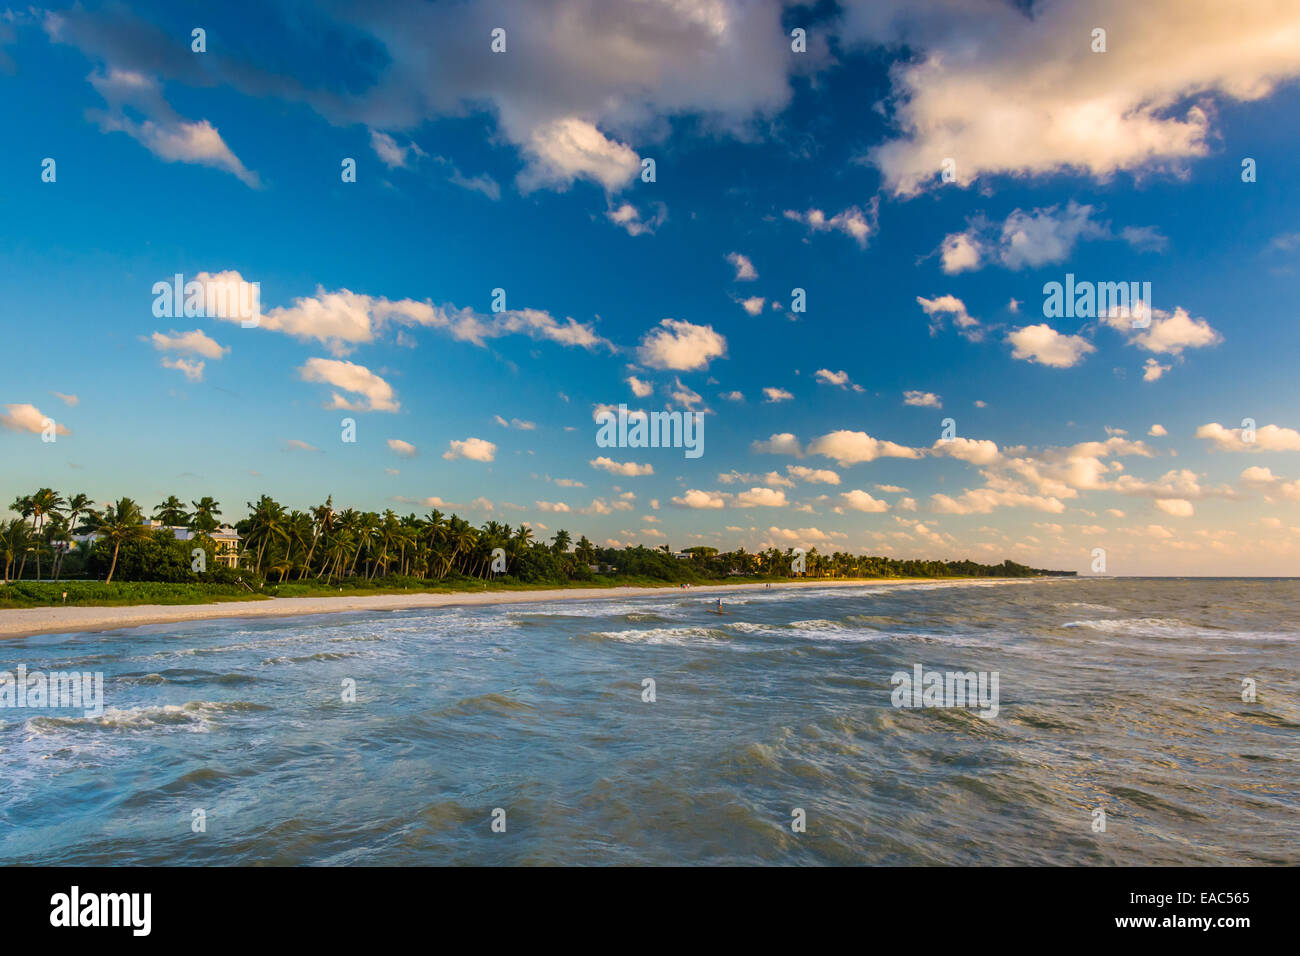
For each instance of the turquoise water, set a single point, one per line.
(1119, 695)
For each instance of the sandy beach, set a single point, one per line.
(21, 622)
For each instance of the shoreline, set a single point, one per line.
(28, 622)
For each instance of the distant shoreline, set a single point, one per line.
(25, 622)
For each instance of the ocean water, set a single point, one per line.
(1120, 695)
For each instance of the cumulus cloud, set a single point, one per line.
(1049, 104)
(137, 108)
(1169, 333)
(389, 152)
(826, 376)
(697, 499)
(193, 342)
(192, 370)
(401, 448)
(856, 222)
(1152, 370)
(475, 449)
(782, 443)
(922, 399)
(1157, 431)
(850, 447)
(28, 418)
(976, 451)
(629, 218)
(760, 498)
(629, 469)
(343, 320)
(1043, 345)
(777, 395)
(823, 476)
(1266, 438)
(681, 346)
(949, 306)
(1028, 239)
(862, 501)
(376, 394)
(745, 271)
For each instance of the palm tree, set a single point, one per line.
(172, 514)
(322, 523)
(44, 502)
(206, 511)
(77, 505)
(122, 522)
(561, 541)
(265, 524)
(15, 539)
(585, 551)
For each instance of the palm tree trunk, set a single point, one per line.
(113, 567)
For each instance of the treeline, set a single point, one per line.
(331, 546)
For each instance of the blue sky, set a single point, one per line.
(520, 170)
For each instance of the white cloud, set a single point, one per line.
(777, 395)
(402, 448)
(1157, 431)
(922, 399)
(517, 423)
(639, 388)
(1168, 333)
(564, 150)
(782, 443)
(823, 476)
(190, 369)
(475, 449)
(1152, 370)
(949, 305)
(194, 342)
(856, 222)
(136, 107)
(694, 498)
(760, 498)
(1178, 507)
(960, 252)
(753, 305)
(745, 271)
(389, 152)
(825, 375)
(350, 377)
(343, 320)
(1049, 104)
(976, 451)
(27, 418)
(681, 346)
(629, 469)
(1267, 438)
(862, 501)
(1045, 346)
(851, 447)
(629, 218)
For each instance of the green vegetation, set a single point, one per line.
(324, 551)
